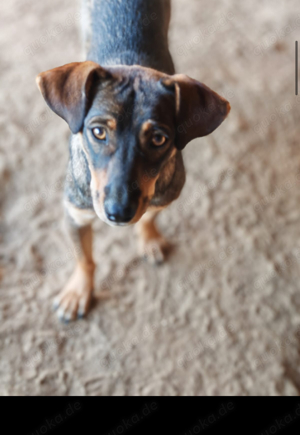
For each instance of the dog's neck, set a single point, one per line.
(128, 32)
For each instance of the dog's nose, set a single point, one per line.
(119, 214)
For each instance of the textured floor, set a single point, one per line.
(222, 316)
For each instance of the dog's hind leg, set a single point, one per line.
(74, 299)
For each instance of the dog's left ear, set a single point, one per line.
(68, 90)
(199, 109)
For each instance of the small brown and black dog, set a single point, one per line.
(130, 117)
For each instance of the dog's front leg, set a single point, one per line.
(151, 244)
(74, 299)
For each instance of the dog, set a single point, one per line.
(130, 117)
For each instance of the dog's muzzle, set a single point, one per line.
(120, 206)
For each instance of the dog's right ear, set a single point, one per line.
(199, 109)
(68, 90)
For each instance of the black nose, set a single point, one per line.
(117, 213)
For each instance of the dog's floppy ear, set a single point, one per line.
(199, 109)
(67, 90)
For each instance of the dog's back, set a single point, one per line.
(128, 32)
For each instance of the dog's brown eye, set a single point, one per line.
(158, 140)
(99, 133)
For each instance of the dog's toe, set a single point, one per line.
(72, 306)
(73, 302)
(67, 307)
(154, 250)
(80, 315)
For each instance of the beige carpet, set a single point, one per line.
(221, 317)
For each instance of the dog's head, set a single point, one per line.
(131, 120)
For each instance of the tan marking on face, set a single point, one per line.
(146, 126)
(112, 123)
(167, 172)
(98, 183)
(81, 217)
(98, 180)
(177, 98)
(173, 152)
(147, 187)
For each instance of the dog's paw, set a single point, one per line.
(154, 250)
(74, 300)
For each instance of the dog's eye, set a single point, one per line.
(159, 139)
(99, 133)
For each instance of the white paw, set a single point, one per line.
(154, 249)
(74, 300)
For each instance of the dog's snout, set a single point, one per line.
(120, 205)
(119, 214)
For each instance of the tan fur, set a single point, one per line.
(177, 96)
(146, 227)
(98, 183)
(74, 299)
(112, 123)
(76, 296)
(147, 186)
(151, 244)
(146, 127)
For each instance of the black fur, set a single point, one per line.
(131, 32)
